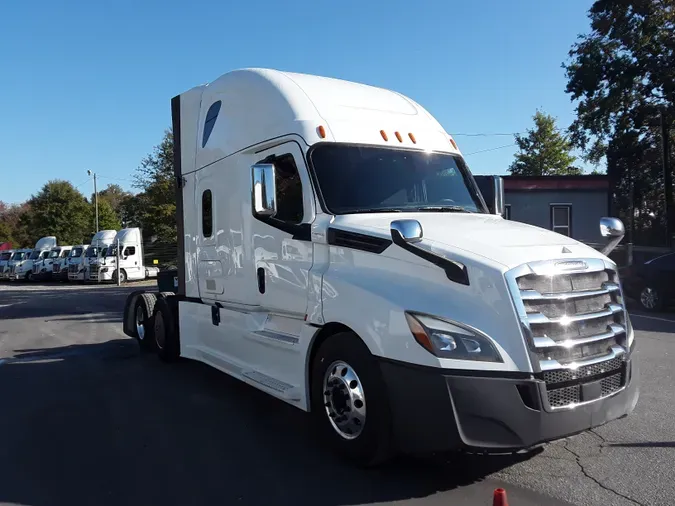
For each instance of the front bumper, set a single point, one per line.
(439, 410)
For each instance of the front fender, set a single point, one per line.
(371, 299)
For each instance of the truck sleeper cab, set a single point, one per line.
(336, 253)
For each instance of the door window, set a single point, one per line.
(290, 208)
(129, 251)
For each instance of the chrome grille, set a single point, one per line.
(36, 268)
(574, 322)
(56, 267)
(73, 268)
(564, 375)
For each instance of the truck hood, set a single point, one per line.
(506, 242)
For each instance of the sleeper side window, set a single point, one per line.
(210, 121)
(207, 213)
(289, 189)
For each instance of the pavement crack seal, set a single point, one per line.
(577, 459)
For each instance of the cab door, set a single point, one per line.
(282, 245)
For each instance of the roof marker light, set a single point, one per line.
(398, 136)
(412, 138)
(454, 144)
(322, 132)
(384, 135)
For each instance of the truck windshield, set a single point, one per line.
(65, 253)
(103, 252)
(92, 252)
(368, 179)
(112, 252)
(54, 253)
(34, 255)
(76, 253)
(5, 256)
(19, 255)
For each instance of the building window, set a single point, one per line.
(561, 219)
(207, 214)
(210, 122)
(507, 212)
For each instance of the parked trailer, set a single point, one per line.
(336, 253)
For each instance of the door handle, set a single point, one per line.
(261, 280)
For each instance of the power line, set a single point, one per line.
(84, 182)
(487, 135)
(115, 178)
(491, 149)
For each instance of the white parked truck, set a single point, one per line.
(131, 264)
(60, 263)
(43, 270)
(25, 270)
(5, 256)
(102, 239)
(16, 260)
(76, 266)
(336, 253)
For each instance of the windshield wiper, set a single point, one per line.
(444, 209)
(377, 210)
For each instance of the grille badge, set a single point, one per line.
(568, 265)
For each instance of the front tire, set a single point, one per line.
(651, 299)
(349, 401)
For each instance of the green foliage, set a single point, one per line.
(115, 196)
(59, 210)
(155, 208)
(544, 151)
(622, 77)
(107, 217)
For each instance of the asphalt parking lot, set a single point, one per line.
(88, 420)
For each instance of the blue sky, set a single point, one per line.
(87, 85)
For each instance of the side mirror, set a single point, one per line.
(409, 231)
(263, 190)
(612, 229)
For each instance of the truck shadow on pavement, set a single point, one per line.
(104, 424)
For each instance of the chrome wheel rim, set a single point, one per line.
(159, 331)
(649, 298)
(344, 400)
(140, 323)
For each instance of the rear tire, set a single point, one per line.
(345, 381)
(167, 340)
(143, 318)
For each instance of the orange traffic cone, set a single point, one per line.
(499, 498)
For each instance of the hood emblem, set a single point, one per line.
(569, 265)
(565, 250)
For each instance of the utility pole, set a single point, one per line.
(90, 173)
(667, 176)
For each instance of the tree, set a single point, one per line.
(114, 195)
(155, 177)
(107, 217)
(622, 77)
(14, 219)
(59, 210)
(544, 151)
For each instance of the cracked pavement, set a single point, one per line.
(88, 420)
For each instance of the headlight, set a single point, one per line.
(451, 340)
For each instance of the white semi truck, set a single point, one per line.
(5, 256)
(24, 270)
(17, 258)
(131, 262)
(76, 265)
(336, 253)
(101, 240)
(60, 263)
(82, 255)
